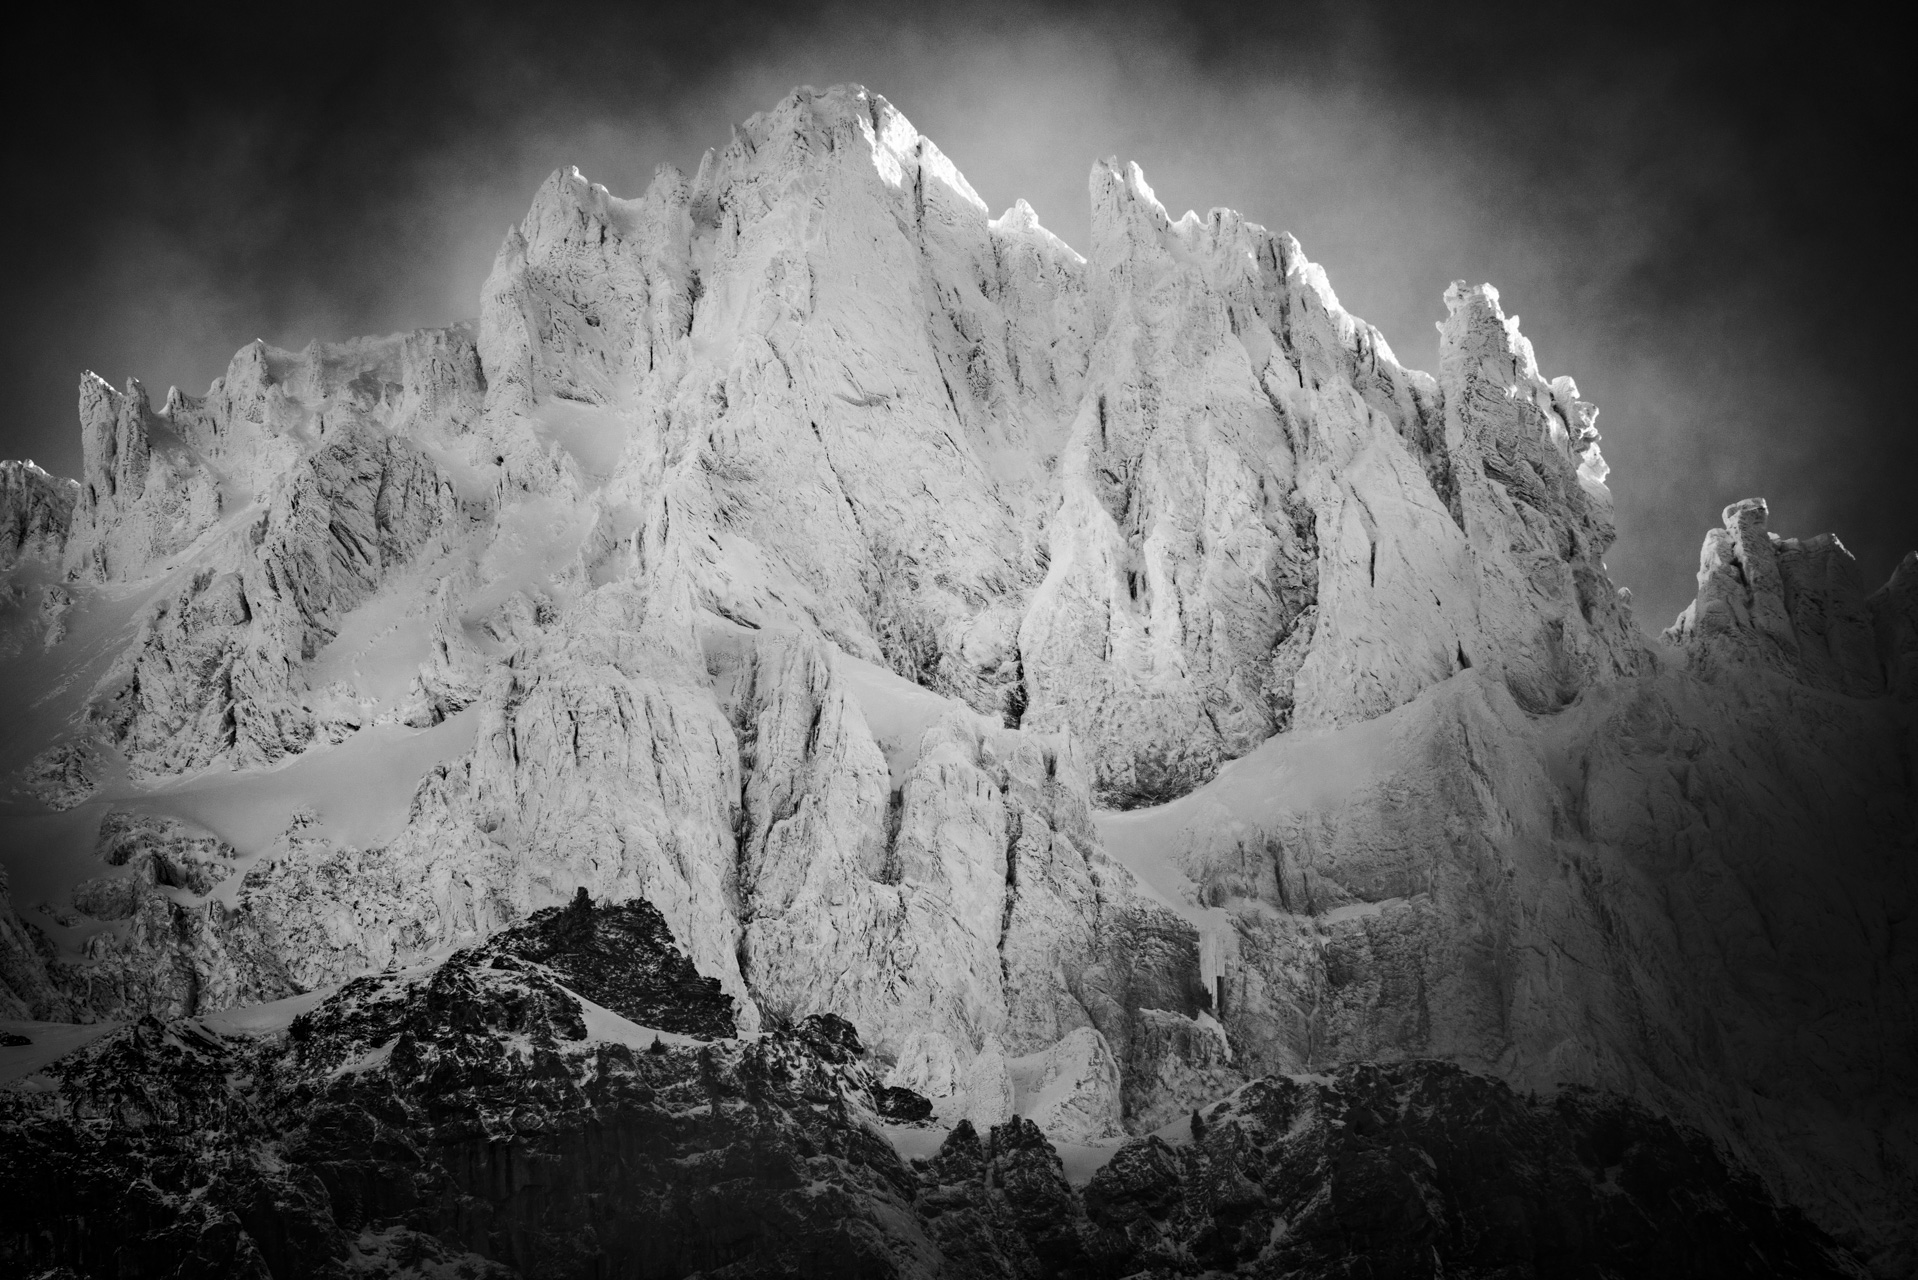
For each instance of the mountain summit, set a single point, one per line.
(1103, 681)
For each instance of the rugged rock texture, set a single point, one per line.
(1100, 680)
(272, 407)
(177, 951)
(1634, 894)
(62, 776)
(1894, 613)
(471, 1116)
(1114, 535)
(214, 673)
(145, 493)
(35, 512)
(1073, 1090)
(482, 1119)
(623, 957)
(1794, 606)
(1418, 1168)
(267, 512)
(27, 990)
(984, 857)
(971, 902)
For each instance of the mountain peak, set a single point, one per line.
(1103, 681)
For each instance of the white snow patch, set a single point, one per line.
(1358, 910)
(897, 711)
(1071, 1089)
(1081, 1160)
(592, 436)
(384, 642)
(372, 1060)
(361, 791)
(602, 1024)
(265, 1019)
(1021, 218)
(535, 541)
(1213, 1025)
(1305, 770)
(913, 1142)
(51, 1042)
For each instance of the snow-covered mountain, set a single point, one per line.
(1101, 680)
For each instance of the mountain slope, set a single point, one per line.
(1120, 658)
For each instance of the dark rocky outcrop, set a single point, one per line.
(622, 956)
(902, 1105)
(1423, 1169)
(479, 1120)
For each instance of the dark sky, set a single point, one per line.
(1703, 217)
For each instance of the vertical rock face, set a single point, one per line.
(27, 990)
(807, 552)
(174, 950)
(819, 893)
(604, 761)
(146, 494)
(317, 460)
(1267, 522)
(214, 672)
(576, 307)
(1641, 891)
(1793, 606)
(1073, 1089)
(272, 406)
(1182, 552)
(35, 512)
(1894, 616)
(1530, 481)
(1205, 405)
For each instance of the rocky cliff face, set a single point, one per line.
(1796, 606)
(1101, 680)
(36, 511)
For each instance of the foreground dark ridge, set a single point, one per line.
(484, 1120)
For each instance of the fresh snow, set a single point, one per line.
(602, 1024)
(359, 792)
(1081, 1160)
(1166, 505)
(268, 1018)
(51, 1042)
(897, 711)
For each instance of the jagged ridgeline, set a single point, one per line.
(1113, 687)
(487, 1118)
